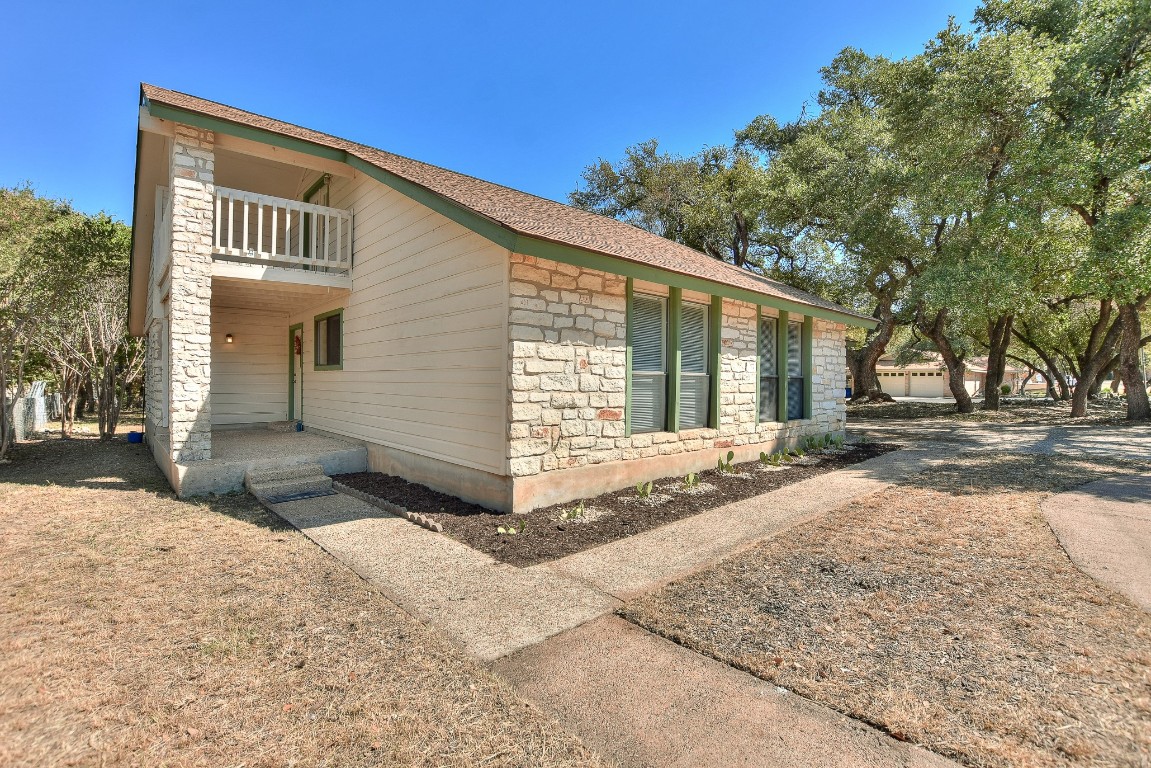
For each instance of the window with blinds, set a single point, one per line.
(795, 380)
(648, 363)
(695, 379)
(768, 369)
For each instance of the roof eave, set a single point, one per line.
(498, 232)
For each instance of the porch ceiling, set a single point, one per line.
(269, 296)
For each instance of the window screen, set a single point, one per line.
(795, 381)
(768, 369)
(328, 340)
(648, 363)
(695, 382)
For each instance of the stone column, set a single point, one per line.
(190, 359)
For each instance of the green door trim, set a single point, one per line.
(292, 367)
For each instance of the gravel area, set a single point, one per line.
(564, 529)
(137, 629)
(943, 611)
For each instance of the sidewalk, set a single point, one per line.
(1106, 529)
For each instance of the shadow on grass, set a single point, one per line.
(118, 466)
(987, 473)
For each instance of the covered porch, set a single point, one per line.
(235, 452)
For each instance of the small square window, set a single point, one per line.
(328, 340)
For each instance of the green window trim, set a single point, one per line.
(781, 366)
(627, 361)
(806, 363)
(716, 330)
(675, 356)
(315, 344)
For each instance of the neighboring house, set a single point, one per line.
(508, 349)
(929, 377)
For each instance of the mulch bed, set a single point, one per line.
(943, 611)
(612, 516)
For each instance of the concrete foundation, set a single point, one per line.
(472, 485)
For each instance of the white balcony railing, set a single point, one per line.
(274, 230)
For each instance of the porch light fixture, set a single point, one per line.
(228, 338)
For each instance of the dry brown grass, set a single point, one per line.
(1104, 410)
(943, 611)
(136, 629)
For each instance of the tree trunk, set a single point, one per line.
(1054, 374)
(999, 339)
(1100, 345)
(862, 362)
(5, 413)
(936, 330)
(1129, 370)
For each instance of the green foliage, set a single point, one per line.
(690, 481)
(513, 529)
(575, 513)
(643, 490)
(726, 466)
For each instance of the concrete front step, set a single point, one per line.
(297, 481)
(278, 474)
(282, 488)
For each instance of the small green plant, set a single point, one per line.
(725, 466)
(799, 453)
(764, 457)
(837, 441)
(1005, 389)
(690, 481)
(575, 513)
(776, 459)
(643, 490)
(786, 457)
(512, 529)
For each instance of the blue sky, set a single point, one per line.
(523, 94)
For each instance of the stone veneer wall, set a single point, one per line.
(567, 329)
(190, 356)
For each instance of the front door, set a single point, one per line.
(295, 372)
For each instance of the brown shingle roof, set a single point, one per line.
(517, 211)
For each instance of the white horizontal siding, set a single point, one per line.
(424, 335)
(250, 375)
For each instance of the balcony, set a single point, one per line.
(275, 234)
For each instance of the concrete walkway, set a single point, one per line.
(490, 609)
(1106, 529)
(630, 567)
(637, 698)
(645, 701)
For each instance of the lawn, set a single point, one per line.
(137, 629)
(942, 610)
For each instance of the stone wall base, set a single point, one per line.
(549, 488)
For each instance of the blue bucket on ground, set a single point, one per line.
(135, 437)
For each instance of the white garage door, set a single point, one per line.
(929, 384)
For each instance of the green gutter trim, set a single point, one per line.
(758, 358)
(627, 365)
(500, 234)
(781, 366)
(715, 329)
(675, 357)
(808, 327)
